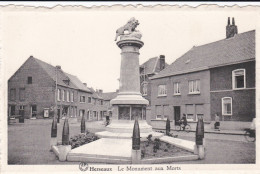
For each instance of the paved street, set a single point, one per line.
(223, 149)
(28, 143)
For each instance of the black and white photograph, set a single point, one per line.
(129, 89)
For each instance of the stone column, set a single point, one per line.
(129, 88)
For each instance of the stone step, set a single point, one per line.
(102, 150)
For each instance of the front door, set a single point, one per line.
(34, 110)
(12, 110)
(177, 114)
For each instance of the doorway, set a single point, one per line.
(177, 114)
(34, 111)
(12, 110)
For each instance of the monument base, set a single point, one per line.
(126, 126)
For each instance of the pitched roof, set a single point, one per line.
(95, 94)
(151, 64)
(61, 76)
(78, 83)
(237, 49)
(109, 95)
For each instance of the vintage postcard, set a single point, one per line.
(156, 89)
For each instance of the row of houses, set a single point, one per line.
(37, 88)
(215, 78)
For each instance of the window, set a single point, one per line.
(190, 112)
(101, 102)
(29, 80)
(72, 97)
(63, 95)
(89, 99)
(159, 112)
(227, 106)
(166, 111)
(238, 79)
(68, 96)
(82, 99)
(199, 116)
(22, 94)
(58, 95)
(162, 91)
(194, 87)
(12, 94)
(81, 112)
(145, 89)
(176, 88)
(21, 107)
(190, 117)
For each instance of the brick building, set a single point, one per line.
(97, 109)
(147, 70)
(217, 77)
(32, 89)
(107, 97)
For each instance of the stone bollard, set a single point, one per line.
(136, 141)
(65, 148)
(53, 132)
(168, 127)
(83, 125)
(199, 147)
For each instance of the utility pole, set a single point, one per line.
(56, 95)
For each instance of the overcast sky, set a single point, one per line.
(82, 42)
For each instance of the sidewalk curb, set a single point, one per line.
(210, 132)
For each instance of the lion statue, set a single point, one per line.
(130, 27)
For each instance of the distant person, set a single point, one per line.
(184, 121)
(217, 123)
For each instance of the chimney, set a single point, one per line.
(85, 84)
(231, 29)
(100, 92)
(58, 67)
(162, 62)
